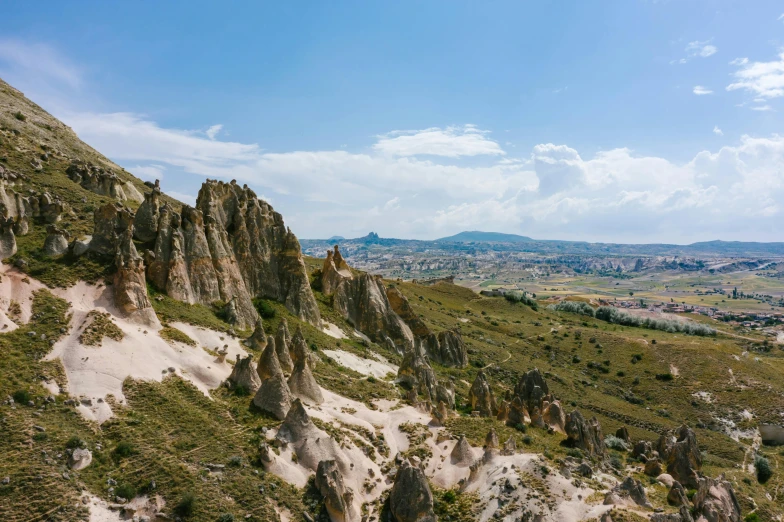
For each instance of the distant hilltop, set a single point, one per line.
(476, 236)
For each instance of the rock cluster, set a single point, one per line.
(282, 343)
(682, 455)
(630, 492)
(56, 242)
(230, 247)
(462, 455)
(258, 340)
(584, 435)
(532, 403)
(302, 383)
(101, 181)
(416, 374)
(7, 238)
(410, 499)
(715, 501)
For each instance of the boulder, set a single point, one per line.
(630, 492)
(302, 383)
(244, 375)
(462, 454)
(56, 242)
(81, 245)
(338, 498)
(623, 434)
(510, 447)
(677, 495)
(518, 414)
(51, 209)
(503, 411)
(715, 501)
(584, 435)
(554, 416)
(440, 413)
(683, 515)
(410, 499)
(653, 467)
(642, 448)
(481, 397)
(80, 459)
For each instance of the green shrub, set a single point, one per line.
(449, 496)
(22, 397)
(575, 453)
(226, 517)
(186, 505)
(264, 309)
(124, 449)
(613, 442)
(75, 442)
(763, 469)
(19, 116)
(752, 517)
(125, 491)
(664, 376)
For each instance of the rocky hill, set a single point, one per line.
(166, 362)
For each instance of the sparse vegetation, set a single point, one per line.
(174, 335)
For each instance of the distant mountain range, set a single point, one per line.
(477, 241)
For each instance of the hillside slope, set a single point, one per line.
(261, 385)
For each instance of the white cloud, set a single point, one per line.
(188, 199)
(761, 79)
(780, 18)
(37, 62)
(699, 90)
(701, 49)
(213, 131)
(148, 172)
(739, 61)
(717, 131)
(452, 142)
(392, 204)
(762, 108)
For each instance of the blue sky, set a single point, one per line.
(627, 121)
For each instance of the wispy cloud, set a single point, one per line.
(699, 90)
(37, 62)
(739, 61)
(701, 49)
(213, 131)
(452, 142)
(717, 131)
(762, 108)
(761, 79)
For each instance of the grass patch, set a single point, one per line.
(97, 326)
(174, 335)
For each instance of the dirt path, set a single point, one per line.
(508, 356)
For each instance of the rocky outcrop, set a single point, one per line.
(56, 242)
(510, 446)
(258, 340)
(231, 246)
(481, 397)
(683, 515)
(16, 210)
(446, 348)
(274, 396)
(244, 375)
(147, 218)
(415, 373)
(491, 439)
(715, 501)
(334, 271)
(7, 238)
(677, 495)
(683, 458)
(630, 492)
(338, 498)
(130, 286)
(363, 301)
(533, 403)
(111, 221)
(440, 413)
(410, 499)
(101, 181)
(584, 435)
(302, 383)
(623, 434)
(283, 342)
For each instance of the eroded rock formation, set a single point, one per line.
(462, 455)
(533, 403)
(101, 181)
(715, 501)
(7, 238)
(334, 271)
(230, 246)
(416, 374)
(269, 364)
(283, 342)
(338, 498)
(481, 396)
(302, 383)
(683, 458)
(630, 492)
(273, 396)
(148, 215)
(585, 435)
(410, 499)
(258, 340)
(244, 375)
(130, 286)
(56, 242)
(363, 301)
